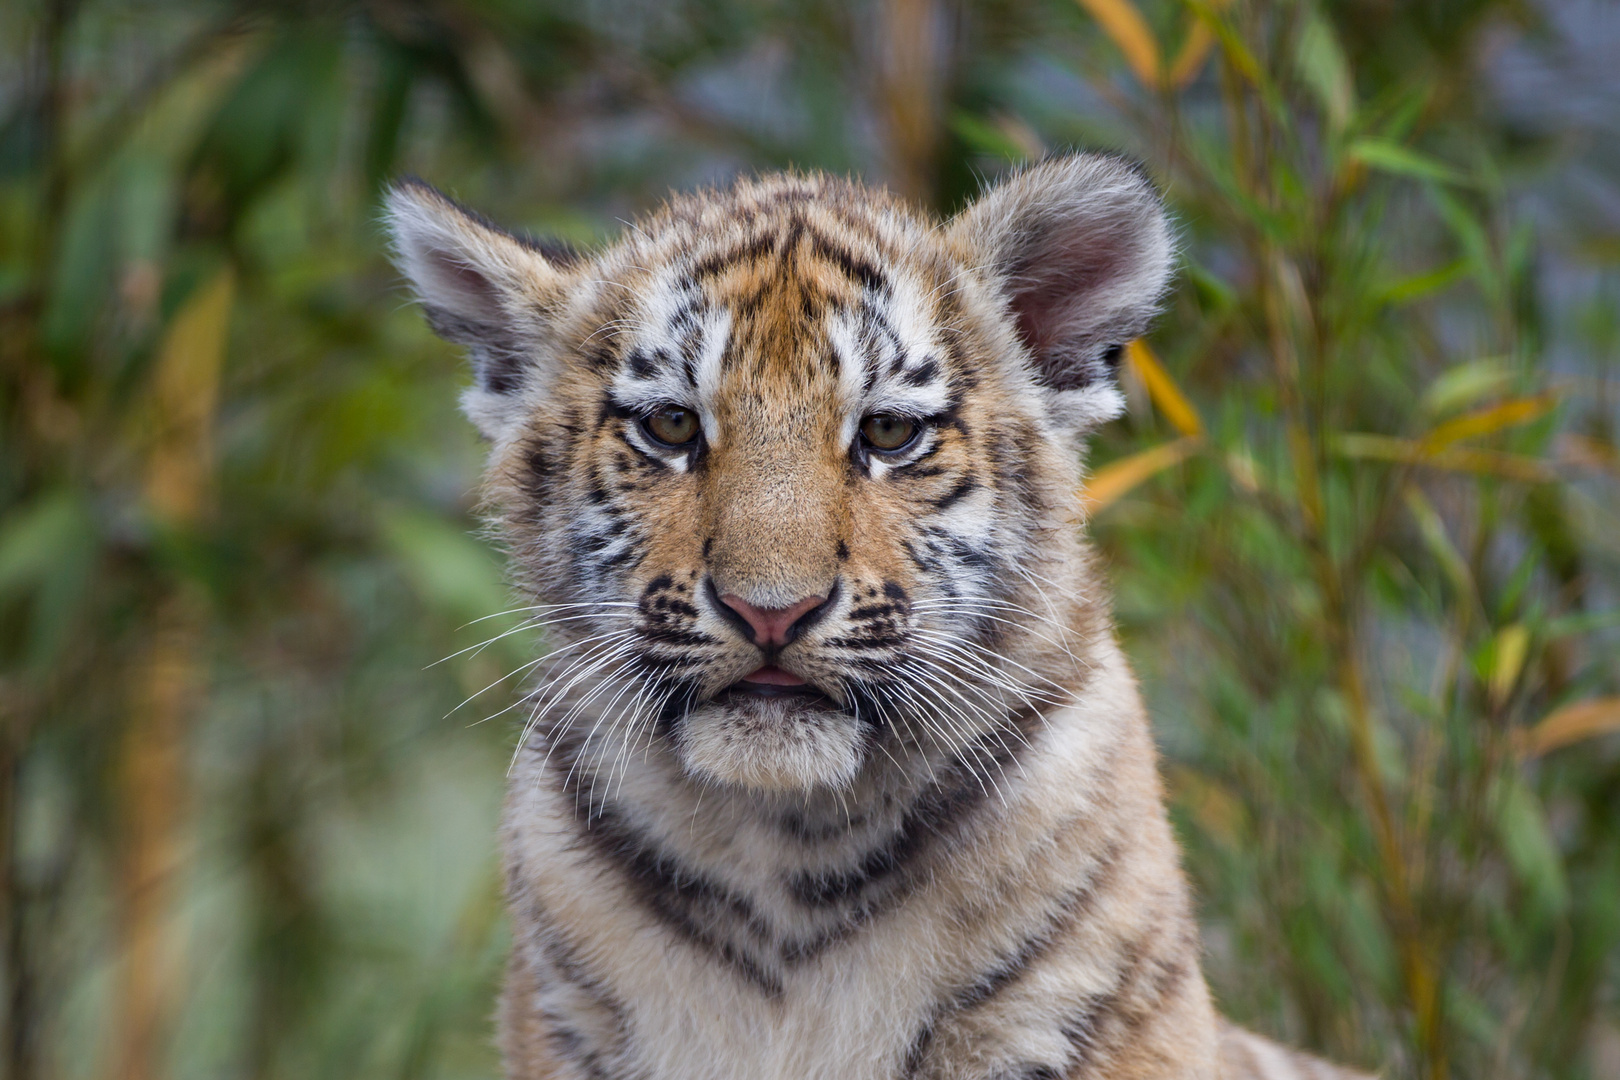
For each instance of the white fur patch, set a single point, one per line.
(771, 745)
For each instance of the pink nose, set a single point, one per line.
(771, 626)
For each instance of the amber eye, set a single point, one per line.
(672, 425)
(885, 431)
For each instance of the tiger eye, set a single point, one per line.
(672, 425)
(887, 432)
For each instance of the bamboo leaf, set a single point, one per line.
(1571, 724)
(1399, 160)
(1190, 58)
(1321, 64)
(1418, 286)
(1453, 459)
(1512, 643)
(184, 391)
(1127, 29)
(1113, 480)
(48, 552)
(1438, 541)
(1163, 389)
(1195, 47)
(1232, 47)
(1530, 847)
(1488, 421)
(995, 139)
(1467, 383)
(1474, 241)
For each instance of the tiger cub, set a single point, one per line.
(835, 770)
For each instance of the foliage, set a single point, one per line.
(1360, 519)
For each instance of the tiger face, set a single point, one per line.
(790, 471)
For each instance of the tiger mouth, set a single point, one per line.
(774, 683)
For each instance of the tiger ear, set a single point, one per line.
(481, 287)
(1081, 249)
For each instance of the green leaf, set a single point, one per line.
(1465, 384)
(1471, 235)
(1402, 161)
(47, 554)
(1212, 291)
(1322, 66)
(986, 138)
(1529, 845)
(1438, 541)
(1418, 286)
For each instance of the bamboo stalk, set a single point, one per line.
(153, 779)
(912, 77)
(45, 99)
(165, 688)
(1282, 303)
(17, 1014)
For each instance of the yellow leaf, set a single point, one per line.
(1163, 390)
(1190, 60)
(1571, 724)
(1111, 481)
(1237, 54)
(1453, 458)
(1488, 420)
(1493, 463)
(185, 388)
(1124, 24)
(1511, 645)
(1194, 50)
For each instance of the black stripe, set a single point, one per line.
(1108, 1020)
(498, 357)
(641, 365)
(922, 374)
(940, 813)
(567, 965)
(710, 265)
(1011, 965)
(683, 899)
(850, 264)
(964, 487)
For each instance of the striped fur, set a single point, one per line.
(946, 856)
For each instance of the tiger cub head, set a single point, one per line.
(791, 469)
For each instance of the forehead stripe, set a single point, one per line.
(751, 249)
(851, 265)
(923, 374)
(779, 240)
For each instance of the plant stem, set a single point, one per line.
(1286, 309)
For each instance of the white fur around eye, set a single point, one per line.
(881, 462)
(676, 457)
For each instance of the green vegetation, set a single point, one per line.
(1362, 518)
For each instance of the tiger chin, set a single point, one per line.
(832, 768)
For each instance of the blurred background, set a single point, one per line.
(1362, 518)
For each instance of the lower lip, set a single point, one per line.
(772, 676)
(770, 682)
